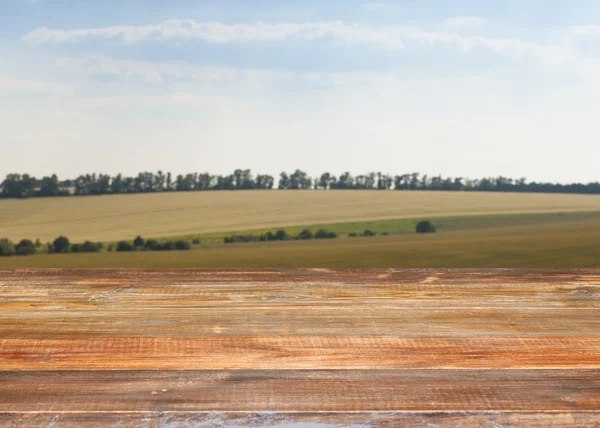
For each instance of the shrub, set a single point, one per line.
(196, 241)
(110, 248)
(352, 235)
(7, 248)
(323, 234)
(49, 247)
(91, 247)
(125, 246)
(425, 226)
(384, 233)
(38, 243)
(242, 238)
(167, 246)
(281, 235)
(61, 245)
(305, 234)
(153, 245)
(25, 247)
(139, 241)
(368, 233)
(182, 245)
(76, 248)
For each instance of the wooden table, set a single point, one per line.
(282, 347)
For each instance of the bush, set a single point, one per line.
(110, 248)
(384, 233)
(152, 245)
(281, 235)
(323, 234)
(305, 234)
(87, 247)
(243, 238)
(352, 235)
(7, 248)
(38, 243)
(125, 246)
(139, 241)
(182, 245)
(167, 246)
(25, 248)
(425, 226)
(368, 233)
(196, 241)
(61, 245)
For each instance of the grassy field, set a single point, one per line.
(556, 240)
(110, 218)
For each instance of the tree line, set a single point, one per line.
(27, 186)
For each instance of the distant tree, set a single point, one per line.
(38, 243)
(152, 245)
(61, 245)
(305, 234)
(352, 235)
(169, 183)
(91, 247)
(325, 181)
(139, 241)
(323, 234)
(368, 233)
(284, 181)
(125, 246)
(425, 226)
(25, 247)
(281, 235)
(182, 245)
(384, 233)
(270, 236)
(167, 246)
(196, 241)
(7, 248)
(110, 248)
(49, 186)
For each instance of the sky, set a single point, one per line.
(464, 88)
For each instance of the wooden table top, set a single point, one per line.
(364, 347)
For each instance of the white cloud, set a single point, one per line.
(216, 32)
(464, 21)
(585, 30)
(386, 37)
(11, 85)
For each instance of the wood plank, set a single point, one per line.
(369, 347)
(89, 303)
(302, 419)
(301, 390)
(299, 352)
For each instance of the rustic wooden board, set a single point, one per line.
(277, 347)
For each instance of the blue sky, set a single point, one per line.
(465, 88)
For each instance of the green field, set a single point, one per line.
(115, 217)
(536, 240)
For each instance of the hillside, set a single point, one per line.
(107, 218)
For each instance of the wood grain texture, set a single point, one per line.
(276, 347)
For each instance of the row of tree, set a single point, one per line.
(25, 185)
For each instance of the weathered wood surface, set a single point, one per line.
(278, 347)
